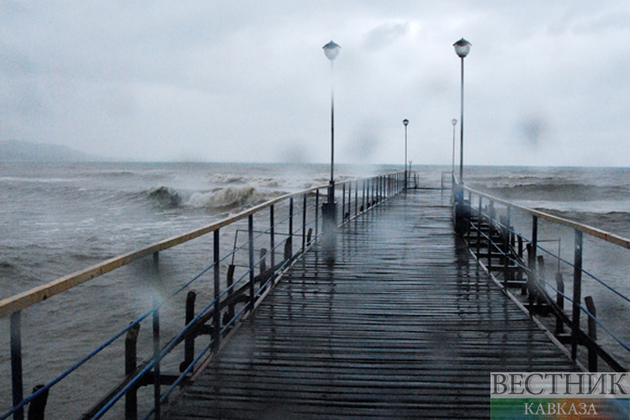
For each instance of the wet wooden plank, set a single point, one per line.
(402, 325)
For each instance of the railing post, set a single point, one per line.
(534, 238)
(250, 235)
(490, 225)
(506, 249)
(16, 363)
(349, 200)
(216, 324)
(356, 198)
(479, 222)
(290, 237)
(156, 366)
(304, 223)
(316, 213)
(189, 342)
(343, 202)
(272, 234)
(577, 293)
(363, 183)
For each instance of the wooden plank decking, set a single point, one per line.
(402, 325)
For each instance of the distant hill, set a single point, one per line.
(23, 151)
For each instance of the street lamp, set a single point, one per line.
(332, 51)
(462, 48)
(454, 122)
(329, 210)
(405, 123)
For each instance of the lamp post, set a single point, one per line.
(329, 211)
(462, 48)
(454, 122)
(405, 123)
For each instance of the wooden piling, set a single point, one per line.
(131, 345)
(37, 406)
(592, 333)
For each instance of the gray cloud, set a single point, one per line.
(248, 80)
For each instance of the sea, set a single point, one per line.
(58, 218)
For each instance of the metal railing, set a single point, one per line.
(519, 261)
(241, 272)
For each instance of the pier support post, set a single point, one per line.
(37, 407)
(592, 333)
(131, 345)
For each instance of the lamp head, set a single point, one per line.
(454, 121)
(405, 122)
(331, 50)
(462, 47)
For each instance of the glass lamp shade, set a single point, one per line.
(331, 50)
(462, 47)
(405, 122)
(453, 121)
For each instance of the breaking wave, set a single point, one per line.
(231, 179)
(230, 198)
(166, 196)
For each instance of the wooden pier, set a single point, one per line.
(403, 324)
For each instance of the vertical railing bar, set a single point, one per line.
(216, 331)
(577, 293)
(490, 227)
(362, 195)
(316, 213)
(343, 203)
(304, 223)
(156, 356)
(290, 237)
(16, 363)
(250, 232)
(356, 198)
(349, 200)
(272, 237)
(506, 246)
(479, 222)
(534, 238)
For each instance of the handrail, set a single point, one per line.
(598, 233)
(40, 293)
(494, 239)
(218, 316)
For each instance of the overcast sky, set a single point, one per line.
(546, 82)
